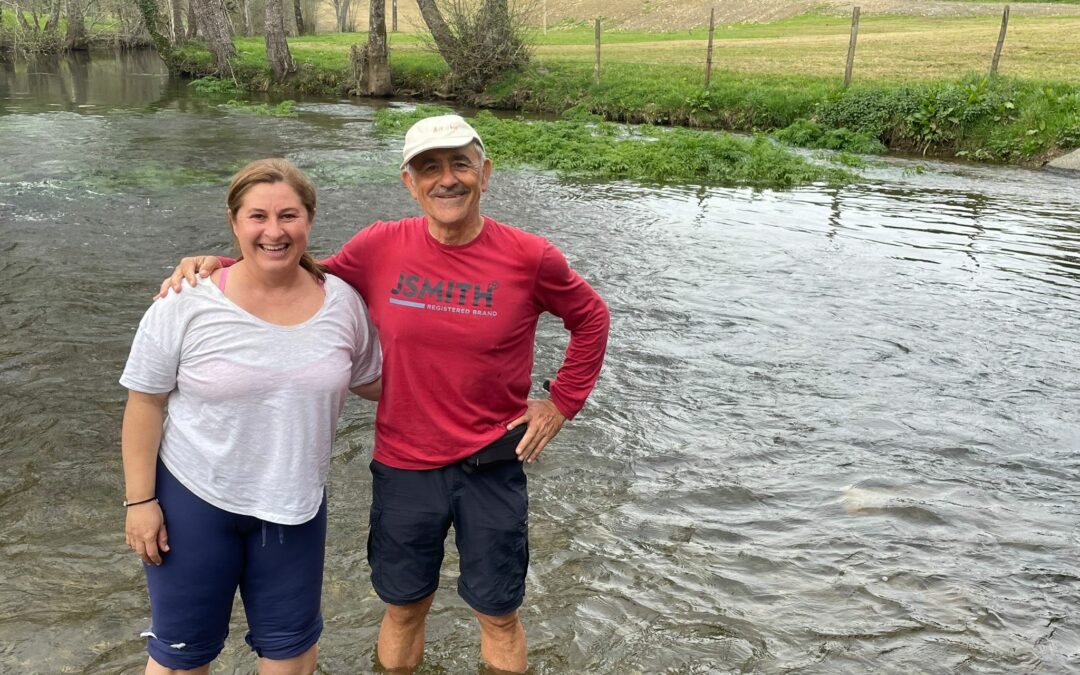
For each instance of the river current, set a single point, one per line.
(837, 431)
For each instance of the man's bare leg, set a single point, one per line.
(401, 635)
(502, 642)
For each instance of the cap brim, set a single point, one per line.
(439, 144)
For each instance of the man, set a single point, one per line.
(456, 297)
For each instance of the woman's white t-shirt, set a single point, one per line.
(253, 406)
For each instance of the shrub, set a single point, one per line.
(809, 134)
(213, 85)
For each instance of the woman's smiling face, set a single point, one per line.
(271, 226)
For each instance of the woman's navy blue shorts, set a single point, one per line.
(411, 513)
(278, 569)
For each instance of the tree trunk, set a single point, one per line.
(75, 38)
(299, 17)
(371, 68)
(444, 39)
(497, 10)
(497, 29)
(311, 16)
(246, 11)
(54, 17)
(23, 23)
(277, 48)
(215, 27)
(192, 22)
(342, 8)
(177, 13)
(223, 9)
(148, 10)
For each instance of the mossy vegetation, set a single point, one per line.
(213, 86)
(281, 109)
(588, 147)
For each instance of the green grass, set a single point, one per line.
(890, 48)
(811, 23)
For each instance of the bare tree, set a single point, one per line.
(54, 17)
(20, 17)
(192, 23)
(480, 40)
(245, 11)
(341, 13)
(440, 32)
(311, 16)
(371, 64)
(299, 17)
(75, 37)
(277, 48)
(216, 28)
(177, 16)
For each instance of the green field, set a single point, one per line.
(890, 48)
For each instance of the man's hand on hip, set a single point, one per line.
(544, 421)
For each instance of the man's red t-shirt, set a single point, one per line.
(457, 327)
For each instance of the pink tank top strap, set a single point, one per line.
(222, 277)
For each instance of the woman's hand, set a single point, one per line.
(145, 532)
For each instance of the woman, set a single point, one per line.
(254, 368)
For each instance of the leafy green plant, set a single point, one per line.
(933, 123)
(210, 85)
(282, 109)
(864, 109)
(810, 134)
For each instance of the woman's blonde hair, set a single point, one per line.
(274, 170)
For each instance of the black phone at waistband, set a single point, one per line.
(499, 451)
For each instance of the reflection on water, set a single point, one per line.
(837, 430)
(76, 81)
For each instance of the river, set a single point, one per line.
(838, 429)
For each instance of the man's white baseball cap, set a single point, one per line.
(443, 131)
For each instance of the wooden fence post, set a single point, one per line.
(851, 46)
(394, 29)
(596, 67)
(1001, 40)
(708, 57)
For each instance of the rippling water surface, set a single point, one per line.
(837, 429)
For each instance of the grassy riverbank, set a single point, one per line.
(919, 84)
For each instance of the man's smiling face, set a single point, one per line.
(447, 183)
